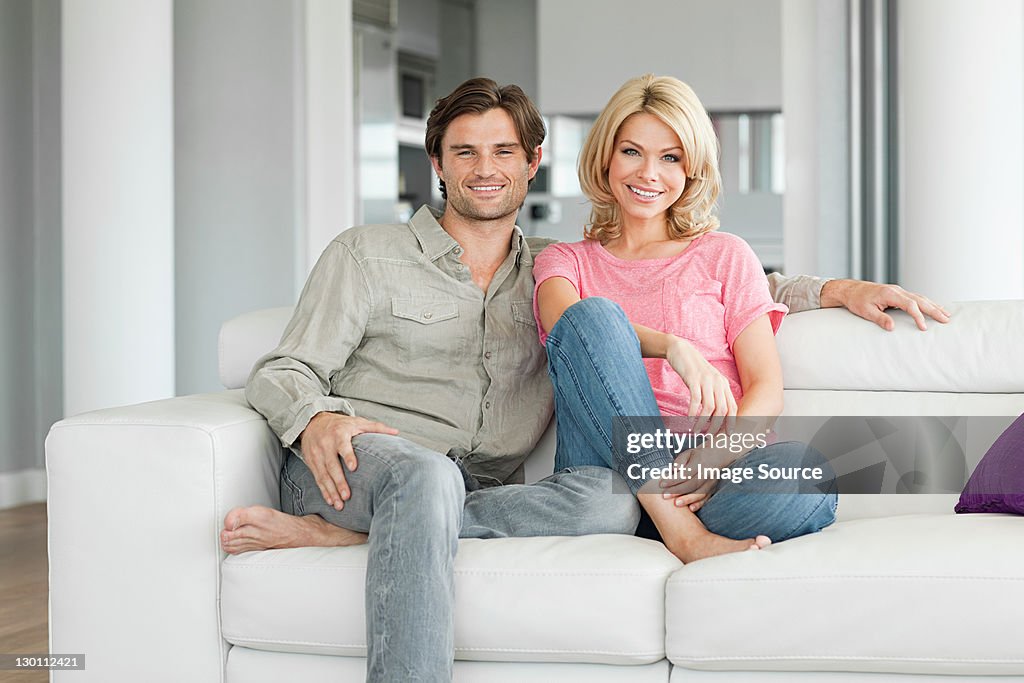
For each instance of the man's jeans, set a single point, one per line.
(595, 364)
(414, 504)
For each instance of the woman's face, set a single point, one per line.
(646, 173)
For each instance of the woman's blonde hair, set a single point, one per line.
(678, 107)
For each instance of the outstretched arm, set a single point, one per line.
(869, 300)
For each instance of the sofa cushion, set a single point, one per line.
(934, 594)
(596, 599)
(997, 483)
(244, 339)
(959, 354)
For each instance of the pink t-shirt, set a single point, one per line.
(708, 294)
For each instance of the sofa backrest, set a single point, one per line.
(833, 363)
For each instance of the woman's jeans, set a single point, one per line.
(595, 365)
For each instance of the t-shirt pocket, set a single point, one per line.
(696, 314)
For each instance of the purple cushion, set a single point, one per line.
(997, 484)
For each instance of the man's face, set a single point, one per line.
(484, 166)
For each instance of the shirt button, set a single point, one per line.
(458, 251)
(487, 405)
(428, 315)
(487, 354)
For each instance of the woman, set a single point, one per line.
(655, 313)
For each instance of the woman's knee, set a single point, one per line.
(594, 317)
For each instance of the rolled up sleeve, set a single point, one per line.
(292, 383)
(799, 293)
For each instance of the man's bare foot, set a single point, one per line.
(685, 535)
(259, 528)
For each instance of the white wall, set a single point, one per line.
(18, 445)
(729, 51)
(961, 104)
(506, 42)
(237, 177)
(118, 185)
(30, 254)
(816, 103)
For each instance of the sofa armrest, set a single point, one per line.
(136, 499)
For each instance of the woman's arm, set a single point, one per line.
(757, 360)
(710, 394)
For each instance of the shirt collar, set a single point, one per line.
(436, 242)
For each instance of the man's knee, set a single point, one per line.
(606, 504)
(423, 478)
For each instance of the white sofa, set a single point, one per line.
(899, 585)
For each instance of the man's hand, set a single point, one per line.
(870, 299)
(327, 440)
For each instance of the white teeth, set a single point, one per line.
(649, 195)
(486, 188)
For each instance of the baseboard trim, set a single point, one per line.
(22, 487)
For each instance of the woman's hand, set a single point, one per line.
(695, 501)
(710, 394)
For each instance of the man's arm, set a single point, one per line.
(866, 299)
(292, 384)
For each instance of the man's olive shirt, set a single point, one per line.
(391, 327)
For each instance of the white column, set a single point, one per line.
(328, 152)
(961, 103)
(118, 170)
(815, 108)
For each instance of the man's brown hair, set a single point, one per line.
(479, 95)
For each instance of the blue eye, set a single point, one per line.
(671, 157)
(629, 151)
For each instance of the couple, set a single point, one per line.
(409, 385)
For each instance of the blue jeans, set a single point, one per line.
(413, 503)
(595, 365)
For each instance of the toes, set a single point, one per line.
(763, 541)
(233, 519)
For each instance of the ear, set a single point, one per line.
(436, 163)
(535, 164)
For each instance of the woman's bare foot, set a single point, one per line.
(258, 528)
(685, 535)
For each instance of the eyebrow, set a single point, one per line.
(667, 149)
(470, 146)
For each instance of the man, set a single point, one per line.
(410, 387)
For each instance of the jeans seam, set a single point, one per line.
(380, 600)
(590, 358)
(590, 414)
(810, 514)
(296, 491)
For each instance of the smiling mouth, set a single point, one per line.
(485, 188)
(645, 194)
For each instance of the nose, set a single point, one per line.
(649, 168)
(484, 166)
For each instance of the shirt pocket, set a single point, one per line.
(698, 313)
(427, 330)
(522, 312)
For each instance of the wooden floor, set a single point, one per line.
(23, 588)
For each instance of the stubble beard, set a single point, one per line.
(465, 206)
